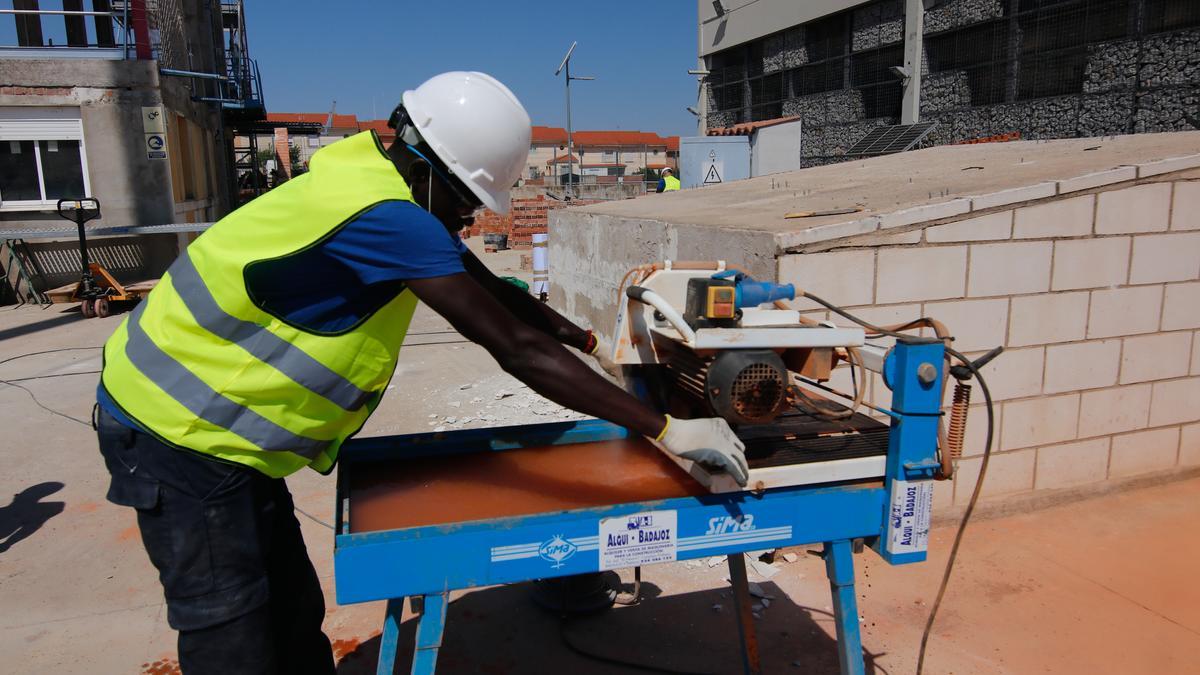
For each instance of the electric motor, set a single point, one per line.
(744, 386)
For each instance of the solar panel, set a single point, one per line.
(894, 138)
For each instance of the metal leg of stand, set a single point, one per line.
(391, 636)
(839, 565)
(430, 628)
(741, 605)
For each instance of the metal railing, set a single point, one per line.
(31, 41)
(240, 88)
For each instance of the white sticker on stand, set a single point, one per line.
(908, 527)
(638, 539)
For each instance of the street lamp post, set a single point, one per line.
(566, 66)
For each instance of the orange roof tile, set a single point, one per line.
(558, 136)
(545, 135)
(380, 127)
(339, 121)
(563, 159)
(747, 128)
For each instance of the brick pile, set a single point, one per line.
(490, 222)
(527, 218)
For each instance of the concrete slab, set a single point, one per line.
(893, 183)
(1104, 586)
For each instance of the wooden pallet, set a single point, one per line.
(116, 290)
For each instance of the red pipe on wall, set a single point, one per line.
(141, 29)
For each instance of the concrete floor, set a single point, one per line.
(1099, 586)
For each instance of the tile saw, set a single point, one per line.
(699, 339)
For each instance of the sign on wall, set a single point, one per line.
(155, 129)
(712, 168)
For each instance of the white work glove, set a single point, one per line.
(708, 441)
(602, 352)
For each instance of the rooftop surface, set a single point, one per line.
(913, 187)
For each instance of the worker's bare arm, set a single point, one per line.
(525, 307)
(531, 355)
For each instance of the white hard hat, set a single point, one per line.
(477, 127)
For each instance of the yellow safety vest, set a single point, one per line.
(202, 366)
(670, 183)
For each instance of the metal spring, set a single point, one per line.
(958, 419)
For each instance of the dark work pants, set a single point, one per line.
(239, 586)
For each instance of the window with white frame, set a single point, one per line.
(42, 157)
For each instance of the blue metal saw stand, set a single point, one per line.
(425, 563)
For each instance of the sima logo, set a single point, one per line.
(557, 550)
(725, 524)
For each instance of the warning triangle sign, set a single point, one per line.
(712, 176)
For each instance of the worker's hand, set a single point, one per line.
(602, 352)
(708, 441)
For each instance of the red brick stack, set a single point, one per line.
(527, 218)
(489, 222)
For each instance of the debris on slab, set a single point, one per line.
(765, 570)
(758, 592)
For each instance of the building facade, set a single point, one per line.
(598, 156)
(1031, 69)
(128, 106)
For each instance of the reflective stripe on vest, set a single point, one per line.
(672, 183)
(183, 386)
(268, 347)
(203, 365)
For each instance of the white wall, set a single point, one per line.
(747, 20)
(774, 149)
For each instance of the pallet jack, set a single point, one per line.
(97, 289)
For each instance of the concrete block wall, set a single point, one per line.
(1095, 294)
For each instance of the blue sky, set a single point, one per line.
(365, 54)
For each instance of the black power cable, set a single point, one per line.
(983, 464)
(962, 526)
(13, 383)
(38, 403)
(48, 351)
(45, 407)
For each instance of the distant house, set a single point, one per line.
(609, 154)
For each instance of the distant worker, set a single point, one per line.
(668, 182)
(274, 336)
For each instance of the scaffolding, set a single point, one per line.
(252, 180)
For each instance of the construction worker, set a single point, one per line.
(273, 337)
(668, 182)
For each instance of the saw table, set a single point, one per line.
(421, 515)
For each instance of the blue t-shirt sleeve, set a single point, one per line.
(396, 241)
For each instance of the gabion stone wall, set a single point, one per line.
(999, 68)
